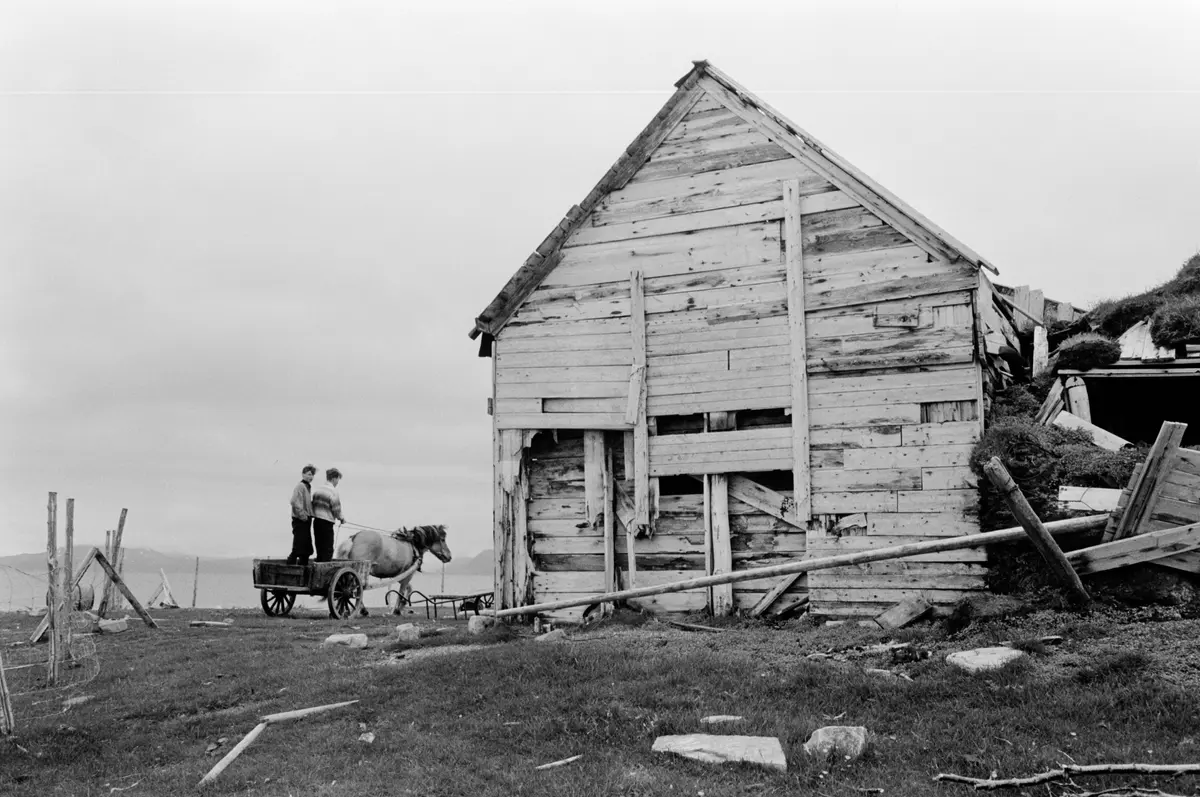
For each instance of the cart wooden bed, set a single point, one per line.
(339, 581)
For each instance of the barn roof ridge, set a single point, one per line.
(704, 78)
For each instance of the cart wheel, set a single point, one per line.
(277, 601)
(345, 594)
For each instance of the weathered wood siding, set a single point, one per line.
(893, 380)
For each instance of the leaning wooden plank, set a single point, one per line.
(1147, 547)
(1053, 404)
(1088, 499)
(783, 585)
(1145, 482)
(1188, 562)
(1101, 437)
(120, 584)
(40, 631)
(1023, 512)
(807, 565)
(769, 501)
(903, 613)
(1076, 393)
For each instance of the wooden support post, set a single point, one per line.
(195, 582)
(8, 722)
(722, 535)
(1147, 483)
(1053, 404)
(1037, 532)
(67, 591)
(114, 557)
(1041, 351)
(124, 590)
(1020, 301)
(794, 252)
(708, 530)
(807, 565)
(610, 527)
(625, 514)
(53, 599)
(1101, 437)
(641, 430)
(1077, 398)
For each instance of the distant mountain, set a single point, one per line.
(481, 564)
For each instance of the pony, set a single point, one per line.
(396, 554)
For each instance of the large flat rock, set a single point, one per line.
(762, 750)
(983, 659)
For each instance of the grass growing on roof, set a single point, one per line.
(1086, 350)
(1114, 316)
(1177, 320)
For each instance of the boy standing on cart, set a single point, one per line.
(302, 512)
(326, 507)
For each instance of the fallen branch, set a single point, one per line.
(693, 627)
(559, 763)
(258, 729)
(982, 784)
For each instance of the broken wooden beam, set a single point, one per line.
(1070, 525)
(119, 583)
(1036, 530)
(1053, 404)
(903, 613)
(1147, 481)
(1135, 550)
(782, 586)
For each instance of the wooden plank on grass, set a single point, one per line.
(1101, 437)
(903, 613)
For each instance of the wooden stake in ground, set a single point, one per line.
(53, 614)
(113, 555)
(68, 590)
(258, 729)
(40, 631)
(8, 723)
(120, 584)
(1047, 547)
(195, 582)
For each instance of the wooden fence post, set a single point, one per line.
(52, 587)
(195, 582)
(68, 590)
(1037, 532)
(8, 722)
(114, 558)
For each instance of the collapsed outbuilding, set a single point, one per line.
(739, 350)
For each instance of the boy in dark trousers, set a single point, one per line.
(302, 512)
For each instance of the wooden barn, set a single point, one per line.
(738, 350)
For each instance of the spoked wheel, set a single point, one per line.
(345, 594)
(277, 601)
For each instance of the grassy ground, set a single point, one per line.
(448, 721)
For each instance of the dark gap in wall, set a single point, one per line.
(751, 419)
(776, 480)
(1134, 408)
(680, 424)
(680, 485)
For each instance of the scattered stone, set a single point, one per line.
(716, 718)
(409, 632)
(478, 623)
(763, 750)
(207, 624)
(557, 635)
(113, 626)
(834, 623)
(367, 737)
(983, 659)
(357, 641)
(75, 701)
(848, 742)
(877, 671)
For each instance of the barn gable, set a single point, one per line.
(737, 351)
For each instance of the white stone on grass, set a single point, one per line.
(848, 742)
(716, 718)
(478, 623)
(349, 640)
(762, 750)
(113, 626)
(408, 632)
(557, 635)
(983, 659)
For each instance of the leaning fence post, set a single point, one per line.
(1033, 526)
(8, 722)
(52, 589)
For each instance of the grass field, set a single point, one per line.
(449, 721)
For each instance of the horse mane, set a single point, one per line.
(421, 537)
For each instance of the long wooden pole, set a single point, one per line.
(113, 555)
(68, 589)
(1036, 530)
(8, 722)
(805, 565)
(52, 597)
(120, 585)
(195, 582)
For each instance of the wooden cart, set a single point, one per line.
(340, 581)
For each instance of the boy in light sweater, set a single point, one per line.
(327, 507)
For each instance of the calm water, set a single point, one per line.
(218, 590)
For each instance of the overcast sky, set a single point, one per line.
(238, 237)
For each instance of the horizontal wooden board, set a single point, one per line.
(949, 433)
(725, 381)
(555, 374)
(824, 598)
(567, 341)
(609, 406)
(737, 462)
(563, 420)
(892, 380)
(921, 524)
(861, 416)
(960, 478)
(831, 480)
(855, 437)
(736, 440)
(566, 389)
(540, 331)
(908, 457)
(844, 503)
(720, 401)
(931, 312)
(883, 285)
(701, 298)
(716, 278)
(711, 161)
(564, 359)
(937, 500)
(837, 546)
(896, 395)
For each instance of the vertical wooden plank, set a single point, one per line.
(1036, 306)
(114, 558)
(593, 476)
(610, 528)
(52, 590)
(501, 524)
(1020, 299)
(627, 452)
(722, 536)
(641, 432)
(708, 531)
(1077, 398)
(1041, 351)
(802, 483)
